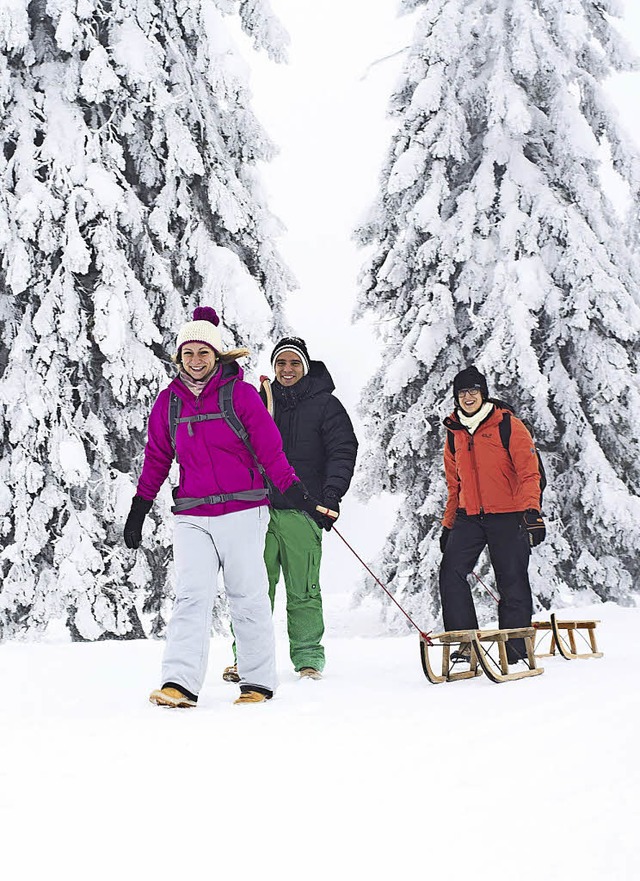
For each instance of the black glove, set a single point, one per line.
(444, 537)
(133, 527)
(534, 524)
(332, 501)
(298, 497)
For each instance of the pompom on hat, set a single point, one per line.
(203, 329)
(292, 344)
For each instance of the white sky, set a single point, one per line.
(326, 110)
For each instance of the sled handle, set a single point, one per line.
(327, 512)
(266, 385)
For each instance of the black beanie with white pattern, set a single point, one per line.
(292, 344)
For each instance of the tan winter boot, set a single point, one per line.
(251, 697)
(230, 674)
(309, 673)
(168, 696)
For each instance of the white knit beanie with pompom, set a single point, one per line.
(203, 329)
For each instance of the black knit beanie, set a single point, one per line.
(470, 377)
(292, 344)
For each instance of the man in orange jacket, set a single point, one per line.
(494, 500)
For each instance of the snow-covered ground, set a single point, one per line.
(371, 773)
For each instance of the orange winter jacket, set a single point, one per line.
(483, 477)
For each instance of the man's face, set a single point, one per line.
(198, 360)
(470, 400)
(289, 369)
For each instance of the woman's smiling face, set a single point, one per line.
(198, 360)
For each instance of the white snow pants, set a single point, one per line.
(201, 547)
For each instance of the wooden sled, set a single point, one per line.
(482, 643)
(449, 639)
(497, 670)
(566, 644)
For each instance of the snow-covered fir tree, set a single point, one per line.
(129, 195)
(494, 242)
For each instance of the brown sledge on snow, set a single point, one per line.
(479, 648)
(452, 639)
(563, 637)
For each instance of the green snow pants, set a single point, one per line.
(294, 546)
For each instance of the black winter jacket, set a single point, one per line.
(317, 435)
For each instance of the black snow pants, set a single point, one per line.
(509, 552)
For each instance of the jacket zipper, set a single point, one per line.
(474, 465)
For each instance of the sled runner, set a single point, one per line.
(483, 646)
(566, 644)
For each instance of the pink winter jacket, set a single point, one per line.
(213, 460)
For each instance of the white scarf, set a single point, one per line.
(472, 422)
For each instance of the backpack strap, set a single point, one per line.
(451, 440)
(199, 417)
(228, 413)
(247, 495)
(505, 430)
(175, 406)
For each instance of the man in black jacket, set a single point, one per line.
(319, 442)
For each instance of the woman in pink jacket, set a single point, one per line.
(221, 508)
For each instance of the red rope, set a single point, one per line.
(424, 635)
(497, 599)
